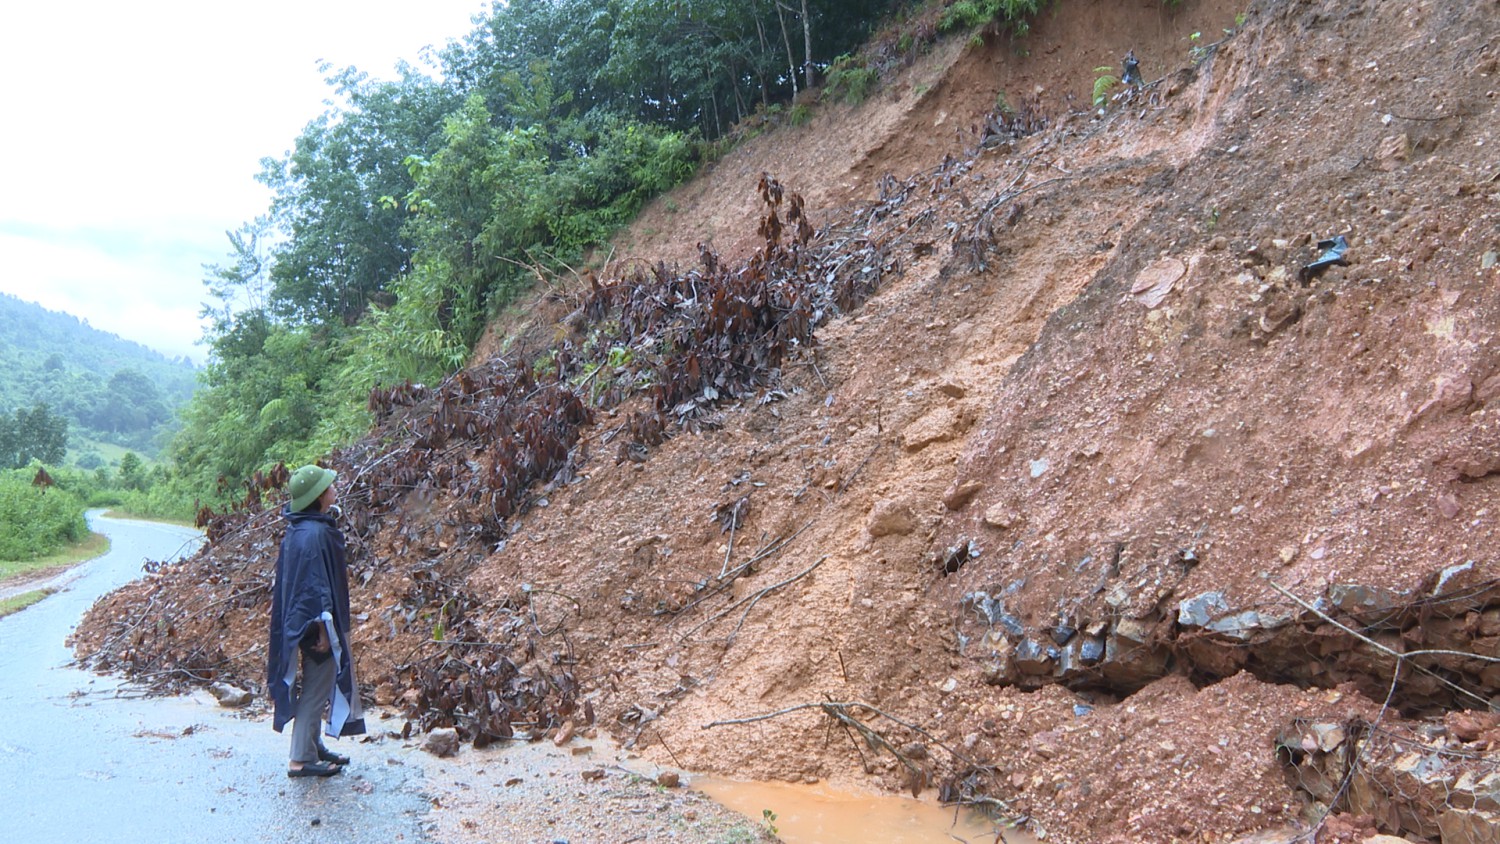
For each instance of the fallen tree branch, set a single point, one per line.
(730, 576)
(752, 599)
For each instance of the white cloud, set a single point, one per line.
(133, 132)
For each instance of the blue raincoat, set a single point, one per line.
(312, 588)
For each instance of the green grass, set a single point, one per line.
(96, 545)
(21, 601)
(111, 453)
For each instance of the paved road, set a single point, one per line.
(84, 760)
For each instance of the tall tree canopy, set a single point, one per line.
(35, 434)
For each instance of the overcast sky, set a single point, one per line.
(131, 133)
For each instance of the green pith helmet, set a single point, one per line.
(307, 484)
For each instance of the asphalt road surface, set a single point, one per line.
(85, 758)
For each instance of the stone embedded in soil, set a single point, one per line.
(940, 425)
(1001, 517)
(668, 779)
(1365, 603)
(1392, 152)
(1034, 657)
(385, 694)
(1199, 610)
(959, 495)
(1244, 625)
(1156, 281)
(891, 518)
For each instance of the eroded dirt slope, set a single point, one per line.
(1095, 503)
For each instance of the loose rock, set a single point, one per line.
(441, 742)
(230, 697)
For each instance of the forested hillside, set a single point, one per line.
(109, 389)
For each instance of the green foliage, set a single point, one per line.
(849, 80)
(343, 246)
(768, 817)
(970, 14)
(1103, 82)
(37, 435)
(36, 521)
(703, 65)
(259, 405)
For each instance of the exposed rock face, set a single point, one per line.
(1460, 613)
(1421, 782)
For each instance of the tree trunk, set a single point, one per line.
(791, 61)
(760, 73)
(807, 59)
(713, 98)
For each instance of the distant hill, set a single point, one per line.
(111, 389)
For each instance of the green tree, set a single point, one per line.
(132, 403)
(132, 472)
(35, 434)
(344, 246)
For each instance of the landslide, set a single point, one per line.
(1040, 472)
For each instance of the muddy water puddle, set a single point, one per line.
(589, 790)
(818, 814)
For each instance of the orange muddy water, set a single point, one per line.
(817, 814)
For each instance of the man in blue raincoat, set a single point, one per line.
(310, 618)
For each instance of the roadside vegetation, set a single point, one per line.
(20, 602)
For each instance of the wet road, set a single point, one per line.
(83, 760)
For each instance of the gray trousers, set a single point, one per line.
(307, 724)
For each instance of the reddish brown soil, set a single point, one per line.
(1108, 458)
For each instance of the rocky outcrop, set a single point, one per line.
(1351, 633)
